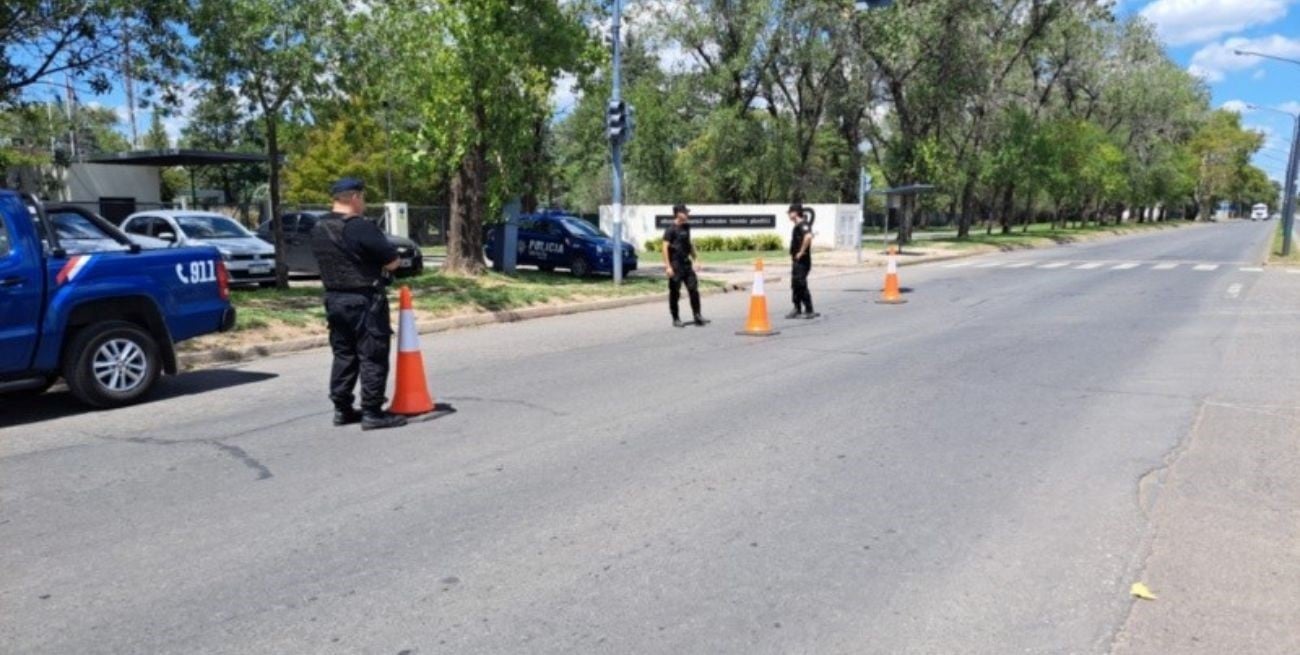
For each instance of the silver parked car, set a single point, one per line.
(248, 259)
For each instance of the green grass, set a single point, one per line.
(1038, 234)
(261, 308)
(1275, 253)
(443, 295)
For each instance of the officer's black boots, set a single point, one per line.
(794, 314)
(701, 321)
(677, 322)
(376, 420)
(811, 314)
(346, 416)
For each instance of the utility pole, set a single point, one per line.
(619, 130)
(1288, 183)
(130, 87)
(1288, 198)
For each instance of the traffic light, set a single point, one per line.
(618, 121)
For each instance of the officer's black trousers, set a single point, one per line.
(360, 333)
(799, 286)
(683, 275)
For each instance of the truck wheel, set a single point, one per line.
(546, 268)
(111, 364)
(579, 267)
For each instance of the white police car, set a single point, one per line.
(551, 240)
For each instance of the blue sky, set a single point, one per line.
(1200, 35)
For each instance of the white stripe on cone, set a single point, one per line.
(758, 284)
(408, 340)
(892, 266)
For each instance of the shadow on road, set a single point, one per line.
(16, 410)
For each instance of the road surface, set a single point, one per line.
(985, 469)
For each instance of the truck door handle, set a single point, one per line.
(15, 281)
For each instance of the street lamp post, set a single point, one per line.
(1293, 161)
(1289, 182)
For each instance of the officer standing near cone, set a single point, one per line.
(355, 261)
(801, 239)
(679, 264)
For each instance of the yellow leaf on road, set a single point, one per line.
(1140, 590)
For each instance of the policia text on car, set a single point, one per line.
(355, 262)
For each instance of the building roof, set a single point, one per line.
(176, 157)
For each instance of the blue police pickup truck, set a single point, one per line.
(551, 240)
(105, 320)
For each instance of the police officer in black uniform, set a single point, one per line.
(679, 258)
(801, 239)
(355, 261)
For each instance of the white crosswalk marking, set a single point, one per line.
(1251, 269)
(988, 265)
(1021, 265)
(1295, 271)
(1055, 265)
(1167, 266)
(1125, 266)
(1205, 267)
(1089, 266)
(957, 264)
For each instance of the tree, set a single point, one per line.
(220, 121)
(275, 52)
(477, 76)
(157, 138)
(89, 40)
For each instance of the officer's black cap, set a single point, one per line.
(796, 207)
(346, 184)
(680, 209)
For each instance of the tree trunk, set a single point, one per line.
(277, 226)
(465, 229)
(1008, 207)
(967, 209)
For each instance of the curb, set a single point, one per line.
(218, 356)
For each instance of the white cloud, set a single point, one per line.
(1235, 106)
(1259, 74)
(1180, 22)
(1216, 60)
(1292, 106)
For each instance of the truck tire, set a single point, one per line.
(111, 364)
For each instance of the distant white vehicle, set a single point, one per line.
(1259, 212)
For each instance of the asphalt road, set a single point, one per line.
(981, 470)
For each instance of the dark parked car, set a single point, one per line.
(551, 240)
(298, 255)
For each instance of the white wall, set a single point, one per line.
(90, 182)
(639, 221)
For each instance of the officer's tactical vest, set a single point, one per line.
(340, 268)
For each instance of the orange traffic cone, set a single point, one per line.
(892, 295)
(411, 395)
(758, 325)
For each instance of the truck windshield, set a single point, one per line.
(211, 227)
